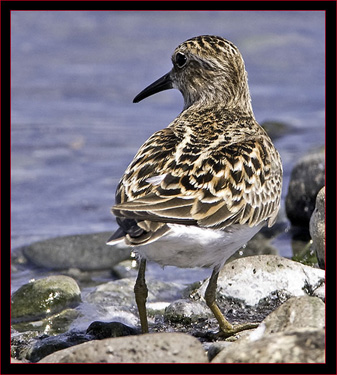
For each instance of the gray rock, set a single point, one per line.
(296, 313)
(186, 311)
(307, 178)
(300, 346)
(86, 252)
(149, 348)
(317, 228)
(44, 297)
(253, 279)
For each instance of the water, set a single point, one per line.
(74, 128)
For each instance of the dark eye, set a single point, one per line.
(180, 59)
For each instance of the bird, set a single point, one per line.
(199, 189)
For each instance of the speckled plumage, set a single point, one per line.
(213, 168)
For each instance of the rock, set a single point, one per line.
(44, 297)
(103, 330)
(307, 178)
(296, 313)
(148, 348)
(251, 280)
(86, 252)
(317, 228)
(46, 345)
(300, 346)
(186, 311)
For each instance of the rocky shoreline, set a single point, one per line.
(287, 297)
(81, 309)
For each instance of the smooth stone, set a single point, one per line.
(85, 251)
(307, 178)
(300, 346)
(147, 348)
(44, 297)
(251, 280)
(317, 228)
(186, 311)
(296, 313)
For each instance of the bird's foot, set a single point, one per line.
(229, 331)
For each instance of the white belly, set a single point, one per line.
(189, 246)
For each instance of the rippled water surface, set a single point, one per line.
(74, 128)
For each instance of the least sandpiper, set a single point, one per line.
(199, 189)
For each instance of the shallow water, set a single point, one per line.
(74, 128)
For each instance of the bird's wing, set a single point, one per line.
(214, 187)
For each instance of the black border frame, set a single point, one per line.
(330, 10)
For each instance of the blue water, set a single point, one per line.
(74, 128)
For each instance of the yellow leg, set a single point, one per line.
(226, 329)
(140, 290)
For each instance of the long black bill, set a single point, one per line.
(163, 83)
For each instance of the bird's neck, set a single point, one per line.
(241, 103)
(226, 96)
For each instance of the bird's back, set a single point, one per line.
(210, 168)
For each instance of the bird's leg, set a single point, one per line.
(226, 329)
(140, 290)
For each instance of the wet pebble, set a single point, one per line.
(85, 251)
(317, 228)
(307, 178)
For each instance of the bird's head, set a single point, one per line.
(206, 70)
